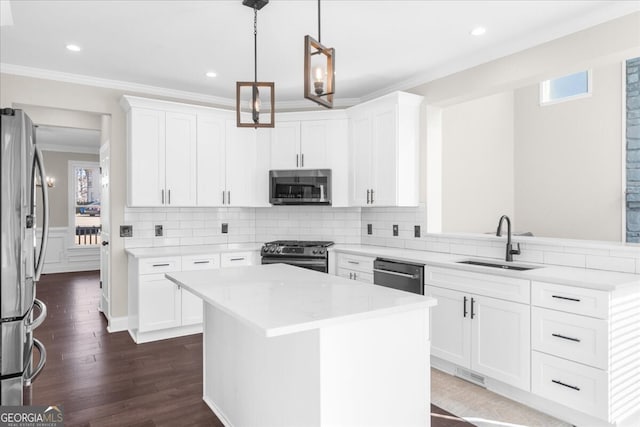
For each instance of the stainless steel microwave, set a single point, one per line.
(300, 187)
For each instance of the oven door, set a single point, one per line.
(317, 264)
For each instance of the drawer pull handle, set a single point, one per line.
(566, 385)
(201, 262)
(353, 262)
(237, 259)
(162, 265)
(566, 338)
(565, 298)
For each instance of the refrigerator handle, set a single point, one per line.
(45, 212)
(43, 359)
(38, 320)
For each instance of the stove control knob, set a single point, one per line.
(315, 251)
(272, 250)
(279, 250)
(321, 251)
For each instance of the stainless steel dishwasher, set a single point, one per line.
(405, 276)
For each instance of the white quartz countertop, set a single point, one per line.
(582, 277)
(279, 299)
(191, 250)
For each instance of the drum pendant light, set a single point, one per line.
(255, 100)
(319, 70)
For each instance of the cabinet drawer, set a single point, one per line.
(507, 288)
(574, 385)
(356, 263)
(578, 338)
(588, 302)
(160, 265)
(200, 262)
(230, 259)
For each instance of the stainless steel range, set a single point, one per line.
(306, 254)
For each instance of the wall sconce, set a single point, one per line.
(255, 101)
(319, 70)
(51, 181)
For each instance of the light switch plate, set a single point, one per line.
(369, 228)
(126, 231)
(159, 231)
(395, 229)
(225, 228)
(416, 231)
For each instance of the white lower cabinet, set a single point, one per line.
(162, 307)
(355, 267)
(158, 308)
(486, 335)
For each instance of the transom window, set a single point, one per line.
(565, 88)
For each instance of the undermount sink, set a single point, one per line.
(504, 266)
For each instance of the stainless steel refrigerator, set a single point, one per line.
(21, 179)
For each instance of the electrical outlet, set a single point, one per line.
(225, 228)
(126, 231)
(395, 229)
(158, 231)
(369, 228)
(416, 231)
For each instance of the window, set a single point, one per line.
(84, 183)
(572, 86)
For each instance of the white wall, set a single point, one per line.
(568, 161)
(477, 163)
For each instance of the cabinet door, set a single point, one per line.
(159, 303)
(450, 326)
(361, 159)
(180, 159)
(501, 344)
(241, 166)
(191, 308)
(285, 146)
(338, 160)
(313, 144)
(385, 142)
(211, 169)
(146, 157)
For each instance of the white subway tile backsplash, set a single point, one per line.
(564, 259)
(626, 265)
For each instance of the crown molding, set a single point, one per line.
(40, 73)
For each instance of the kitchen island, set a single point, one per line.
(285, 346)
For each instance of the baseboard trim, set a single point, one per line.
(163, 334)
(118, 324)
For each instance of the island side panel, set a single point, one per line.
(251, 380)
(376, 371)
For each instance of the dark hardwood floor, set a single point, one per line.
(104, 379)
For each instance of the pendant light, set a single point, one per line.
(319, 70)
(251, 108)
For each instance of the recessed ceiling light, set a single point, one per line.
(211, 74)
(74, 48)
(478, 31)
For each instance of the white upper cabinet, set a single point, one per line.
(180, 159)
(285, 145)
(161, 156)
(300, 144)
(183, 155)
(384, 137)
(211, 160)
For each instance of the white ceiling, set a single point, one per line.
(380, 45)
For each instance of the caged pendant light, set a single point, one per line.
(319, 70)
(251, 108)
